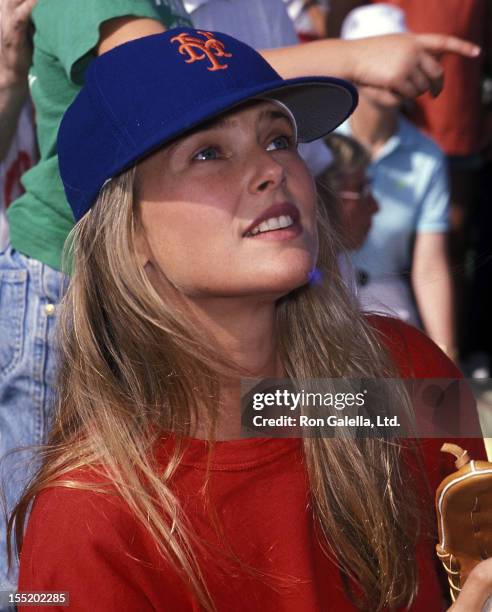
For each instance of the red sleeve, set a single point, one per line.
(87, 544)
(414, 353)
(417, 356)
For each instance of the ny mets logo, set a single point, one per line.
(198, 49)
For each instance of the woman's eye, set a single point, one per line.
(207, 154)
(281, 142)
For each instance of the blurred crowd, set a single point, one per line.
(406, 180)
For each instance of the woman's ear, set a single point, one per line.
(142, 248)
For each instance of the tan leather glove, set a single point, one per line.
(464, 514)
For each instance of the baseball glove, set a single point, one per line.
(464, 515)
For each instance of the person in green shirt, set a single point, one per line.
(65, 40)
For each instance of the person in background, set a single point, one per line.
(66, 37)
(346, 192)
(404, 263)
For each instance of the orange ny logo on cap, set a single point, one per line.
(198, 49)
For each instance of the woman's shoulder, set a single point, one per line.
(83, 538)
(79, 504)
(415, 354)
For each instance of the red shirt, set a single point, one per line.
(90, 545)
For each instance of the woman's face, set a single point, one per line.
(229, 210)
(357, 207)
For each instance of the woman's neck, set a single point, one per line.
(244, 330)
(373, 125)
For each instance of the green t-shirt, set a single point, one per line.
(66, 33)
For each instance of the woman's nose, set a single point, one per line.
(267, 172)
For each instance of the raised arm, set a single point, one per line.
(405, 64)
(15, 60)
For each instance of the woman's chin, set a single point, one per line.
(281, 282)
(262, 287)
(269, 279)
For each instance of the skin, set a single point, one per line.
(218, 180)
(317, 16)
(355, 214)
(403, 65)
(16, 47)
(476, 591)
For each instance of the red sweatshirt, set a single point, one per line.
(90, 545)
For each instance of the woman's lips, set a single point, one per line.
(278, 222)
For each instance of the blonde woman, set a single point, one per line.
(196, 240)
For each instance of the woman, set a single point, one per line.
(196, 239)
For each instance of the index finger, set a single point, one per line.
(441, 43)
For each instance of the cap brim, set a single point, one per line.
(318, 106)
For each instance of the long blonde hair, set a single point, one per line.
(114, 403)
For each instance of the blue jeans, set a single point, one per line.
(29, 294)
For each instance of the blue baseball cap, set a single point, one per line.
(147, 92)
